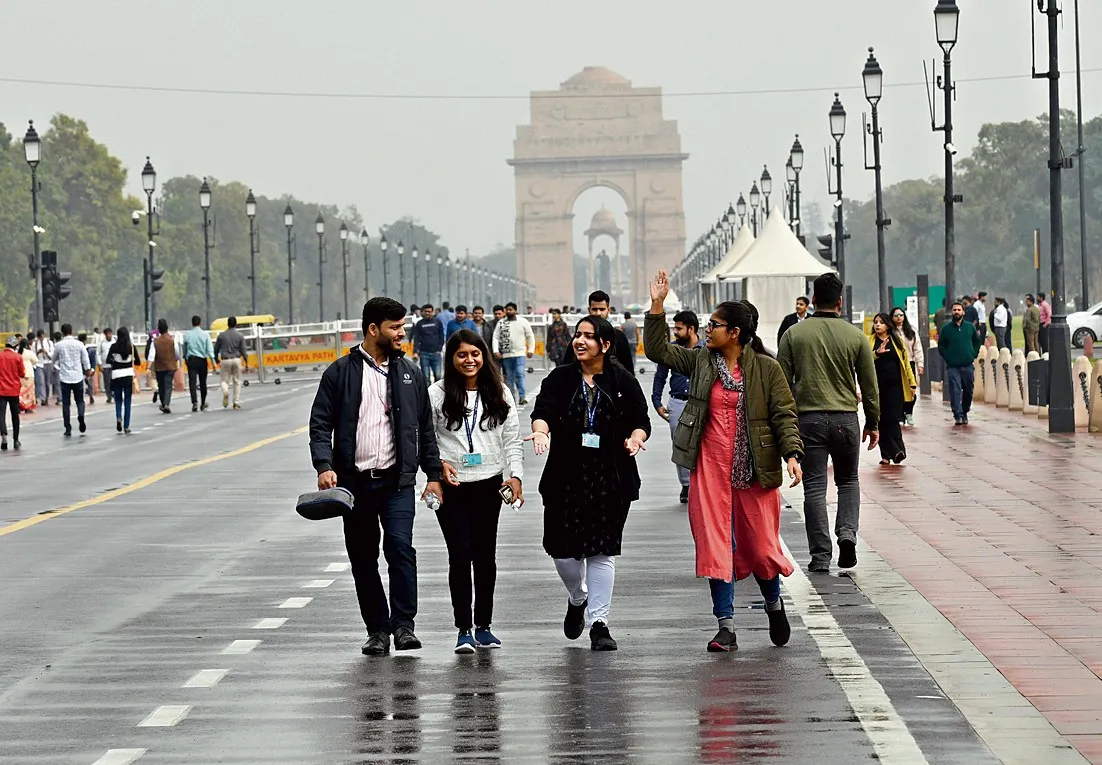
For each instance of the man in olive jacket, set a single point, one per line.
(959, 344)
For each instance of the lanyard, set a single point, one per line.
(371, 363)
(386, 375)
(591, 412)
(471, 424)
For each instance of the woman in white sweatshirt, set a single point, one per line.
(912, 344)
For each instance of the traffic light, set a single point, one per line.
(155, 283)
(54, 287)
(826, 250)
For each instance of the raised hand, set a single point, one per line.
(659, 288)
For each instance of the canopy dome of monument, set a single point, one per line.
(604, 222)
(595, 77)
(744, 240)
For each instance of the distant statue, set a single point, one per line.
(604, 271)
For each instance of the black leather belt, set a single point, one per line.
(680, 396)
(376, 473)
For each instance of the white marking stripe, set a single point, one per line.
(886, 730)
(165, 716)
(206, 678)
(295, 602)
(318, 583)
(269, 624)
(239, 647)
(119, 757)
(333, 568)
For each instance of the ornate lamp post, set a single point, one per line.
(440, 277)
(766, 190)
(755, 200)
(796, 155)
(319, 227)
(383, 246)
(254, 246)
(204, 203)
(289, 223)
(740, 208)
(401, 273)
(838, 131)
(873, 78)
(947, 24)
(342, 232)
(149, 185)
(32, 152)
(413, 253)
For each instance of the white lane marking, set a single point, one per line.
(119, 757)
(206, 678)
(886, 730)
(295, 603)
(269, 624)
(165, 716)
(318, 583)
(333, 568)
(240, 647)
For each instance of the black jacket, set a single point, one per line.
(625, 354)
(336, 411)
(789, 321)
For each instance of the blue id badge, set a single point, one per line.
(591, 440)
(470, 460)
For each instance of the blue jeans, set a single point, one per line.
(961, 382)
(122, 390)
(515, 368)
(723, 593)
(432, 366)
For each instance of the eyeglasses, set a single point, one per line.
(713, 324)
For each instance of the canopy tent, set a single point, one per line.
(775, 270)
(711, 281)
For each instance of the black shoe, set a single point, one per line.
(684, 494)
(964, 420)
(4, 445)
(897, 459)
(204, 406)
(957, 421)
(574, 624)
(523, 402)
(118, 425)
(91, 399)
(377, 645)
(847, 553)
(819, 567)
(779, 628)
(405, 640)
(155, 394)
(599, 639)
(195, 407)
(723, 642)
(81, 426)
(16, 444)
(68, 432)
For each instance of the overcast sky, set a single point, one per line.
(442, 160)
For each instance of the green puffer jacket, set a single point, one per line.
(770, 407)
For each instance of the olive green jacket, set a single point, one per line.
(770, 408)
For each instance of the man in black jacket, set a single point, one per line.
(794, 318)
(370, 429)
(625, 354)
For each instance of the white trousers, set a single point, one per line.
(231, 378)
(593, 578)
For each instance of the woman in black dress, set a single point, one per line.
(897, 387)
(596, 415)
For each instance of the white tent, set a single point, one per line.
(775, 269)
(710, 281)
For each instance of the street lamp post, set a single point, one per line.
(250, 213)
(204, 203)
(873, 78)
(755, 201)
(319, 227)
(414, 253)
(401, 273)
(440, 276)
(289, 223)
(766, 190)
(838, 131)
(365, 240)
(149, 185)
(740, 208)
(343, 233)
(947, 23)
(32, 150)
(797, 157)
(428, 276)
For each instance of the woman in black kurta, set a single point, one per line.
(896, 384)
(591, 418)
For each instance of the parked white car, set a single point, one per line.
(1084, 324)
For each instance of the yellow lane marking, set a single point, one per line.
(107, 496)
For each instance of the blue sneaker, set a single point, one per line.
(465, 643)
(485, 639)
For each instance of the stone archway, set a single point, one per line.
(596, 130)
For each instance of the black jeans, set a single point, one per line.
(72, 390)
(164, 386)
(891, 412)
(468, 517)
(9, 403)
(197, 377)
(835, 436)
(382, 509)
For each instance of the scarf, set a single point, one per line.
(742, 467)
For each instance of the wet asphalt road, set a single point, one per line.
(207, 578)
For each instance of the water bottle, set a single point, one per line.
(433, 502)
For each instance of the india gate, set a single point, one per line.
(596, 130)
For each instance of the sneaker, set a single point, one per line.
(779, 628)
(523, 402)
(684, 494)
(126, 431)
(957, 421)
(166, 410)
(155, 395)
(405, 640)
(195, 407)
(909, 419)
(68, 432)
(898, 459)
(204, 407)
(847, 553)
(118, 425)
(465, 643)
(378, 644)
(237, 406)
(599, 639)
(574, 624)
(81, 426)
(485, 639)
(4, 445)
(15, 444)
(225, 400)
(964, 420)
(819, 567)
(723, 642)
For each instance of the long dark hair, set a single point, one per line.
(896, 340)
(908, 330)
(743, 315)
(491, 390)
(122, 345)
(603, 332)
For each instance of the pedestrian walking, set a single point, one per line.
(959, 344)
(232, 355)
(896, 385)
(12, 373)
(446, 314)
(916, 358)
(44, 368)
(1000, 321)
(1031, 325)
(981, 314)
(90, 380)
(198, 353)
(737, 429)
(514, 343)
(478, 433)
(821, 357)
(1046, 320)
(591, 419)
(28, 402)
(102, 349)
(686, 334)
(630, 330)
(428, 344)
(370, 429)
(163, 357)
(71, 363)
(795, 318)
(485, 327)
(123, 358)
(461, 321)
(558, 338)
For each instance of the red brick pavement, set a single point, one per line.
(999, 526)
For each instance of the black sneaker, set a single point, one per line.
(523, 402)
(574, 624)
(81, 426)
(4, 445)
(847, 553)
(958, 421)
(195, 407)
(405, 640)
(684, 494)
(779, 628)
(204, 406)
(599, 639)
(723, 642)
(118, 425)
(16, 444)
(819, 567)
(377, 645)
(68, 432)
(964, 420)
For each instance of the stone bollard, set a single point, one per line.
(1081, 390)
(1002, 378)
(991, 393)
(1017, 381)
(980, 374)
(1042, 411)
(1027, 407)
(1094, 423)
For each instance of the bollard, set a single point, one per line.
(1094, 422)
(1002, 378)
(1081, 390)
(980, 376)
(1042, 411)
(1030, 405)
(991, 393)
(1017, 381)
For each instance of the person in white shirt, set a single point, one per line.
(102, 349)
(43, 349)
(71, 359)
(514, 341)
(981, 311)
(478, 433)
(999, 320)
